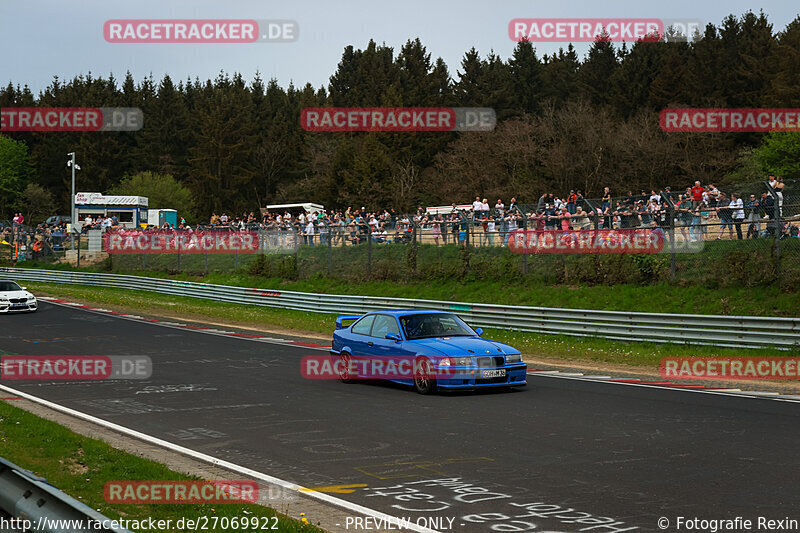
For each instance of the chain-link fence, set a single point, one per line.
(744, 235)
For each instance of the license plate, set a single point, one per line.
(494, 373)
(18, 306)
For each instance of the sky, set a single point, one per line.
(40, 39)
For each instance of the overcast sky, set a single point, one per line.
(43, 38)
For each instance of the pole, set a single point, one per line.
(72, 220)
(330, 250)
(670, 205)
(369, 251)
(776, 219)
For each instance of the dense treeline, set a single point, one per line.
(563, 123)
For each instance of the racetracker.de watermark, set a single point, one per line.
(385, 367)
(727, 368)
(75, 367)
(173, 242)
(398, 119)
(214, 31)
(180, 492)
(721, 120)
(587, 30)
(608, 241)
(71, 119)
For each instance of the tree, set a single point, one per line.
(36, 203)
(780, 154)
(162, 190)
(15, 170)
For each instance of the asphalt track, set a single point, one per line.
(561, 455)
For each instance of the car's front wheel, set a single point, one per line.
(345, 376)
(424, 380)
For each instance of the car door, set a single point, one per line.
(381, 346)
(360, 340)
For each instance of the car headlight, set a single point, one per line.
(514, 358)
(455, 361)
(31, 298)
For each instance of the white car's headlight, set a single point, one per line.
(31, 298)
(513, 358)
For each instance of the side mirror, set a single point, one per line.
(479, 331)
(24, 288)
(393, 337)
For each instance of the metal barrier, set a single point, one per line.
(29, 503)
(716, 330)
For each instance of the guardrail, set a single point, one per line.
(716, 330)
(29, 503)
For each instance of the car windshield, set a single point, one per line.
(422, 326)
(9, 286)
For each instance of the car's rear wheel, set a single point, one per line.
(345, 375)
(424, 380)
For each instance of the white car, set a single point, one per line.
(15, 299)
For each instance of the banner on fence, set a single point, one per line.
(633, 240)
(176, 242)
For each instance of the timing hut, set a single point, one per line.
(131, 211)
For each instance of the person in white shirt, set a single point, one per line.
(310, 232)
(500, 206)
(490, 230)
(737, 209)
(485, 207)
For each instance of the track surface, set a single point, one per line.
(577, 450)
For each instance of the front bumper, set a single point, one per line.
(470, 377)
(23, 307)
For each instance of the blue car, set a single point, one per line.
(431, 350)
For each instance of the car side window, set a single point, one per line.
(384, 324)
(363, 326)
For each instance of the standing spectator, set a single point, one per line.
(477, 206)
(437, 230)
(753, 217)
(565, 219)
(777, 184)
(490, 231)
(485, 209)
(714, 196)
(580, 221)
(725, 216)
(572, 201)
(500, 207)
(550, 217)
(606, 199)
(512, 206)
(697, 194)
(309, 233)
(737, 206)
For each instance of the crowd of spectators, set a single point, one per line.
(698, 213)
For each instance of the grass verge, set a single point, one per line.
(557, 347)
(80, 466)
(768, 300)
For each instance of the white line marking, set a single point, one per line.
(327, 498)
(139, 320)
(719, 392)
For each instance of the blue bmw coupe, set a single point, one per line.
(431, 350)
